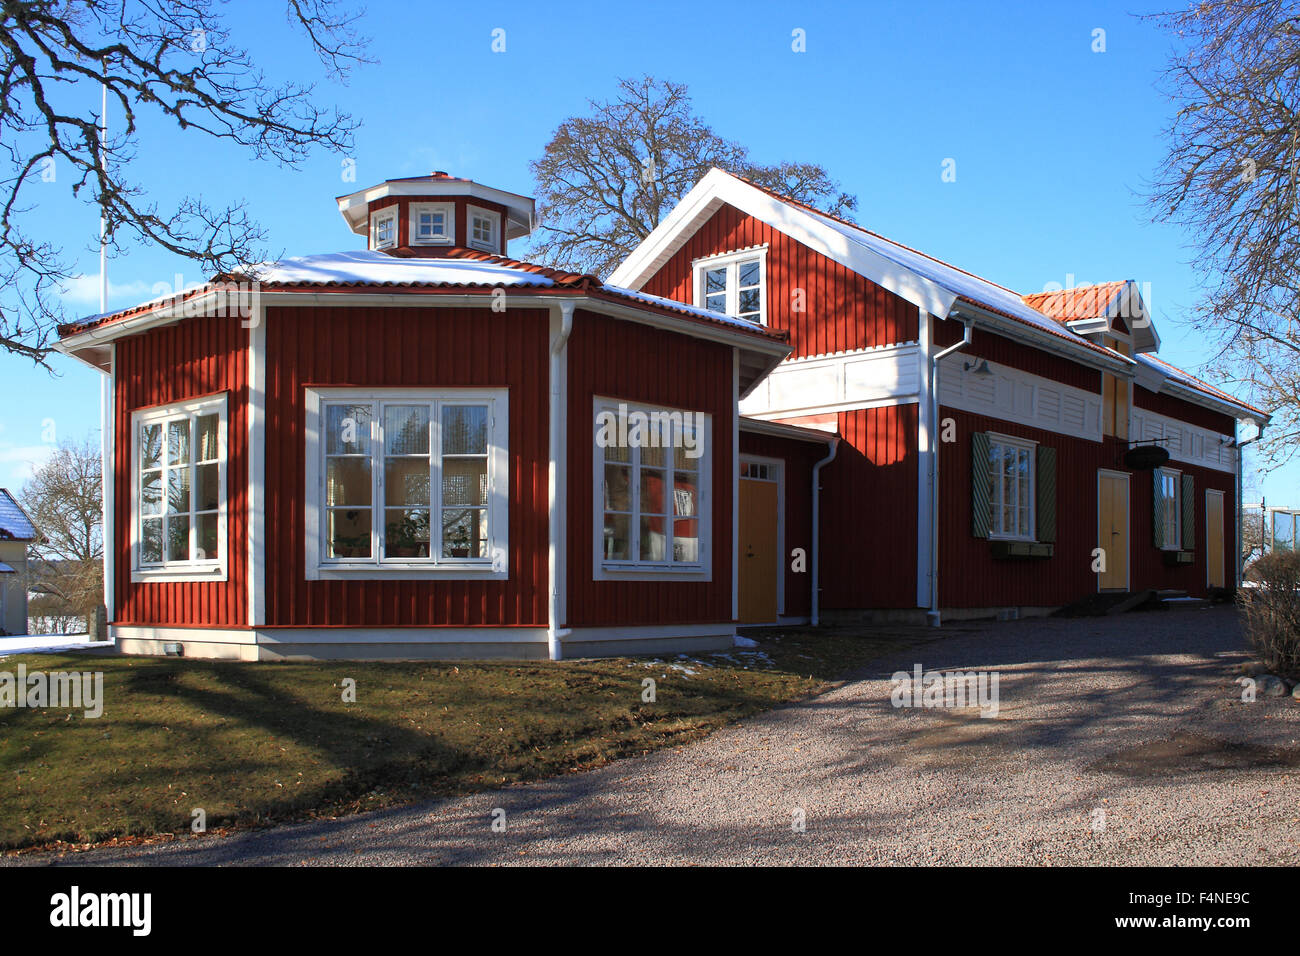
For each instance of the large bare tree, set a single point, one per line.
(64, 499)
(1232, 175)
(606, 179)
(170, 59)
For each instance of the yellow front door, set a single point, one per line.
(1112, 531)
(1214, 539)
(758, 558)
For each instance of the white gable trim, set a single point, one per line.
(718, 188)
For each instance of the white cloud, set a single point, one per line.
(84, 290)
(19, 462)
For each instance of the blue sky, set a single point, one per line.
(1053, 142)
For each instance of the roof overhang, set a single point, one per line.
(759, 354)
(1105, 360)
(520, 210)
(759, 426)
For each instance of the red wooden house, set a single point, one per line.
(982, 440)
(406, 451)
(392, 452)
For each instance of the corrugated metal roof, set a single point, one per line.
(14, 523)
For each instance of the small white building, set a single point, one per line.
(16, 533)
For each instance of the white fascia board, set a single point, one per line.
(718, 187)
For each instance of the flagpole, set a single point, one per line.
(103, 216)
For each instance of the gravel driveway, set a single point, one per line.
(1118, 740)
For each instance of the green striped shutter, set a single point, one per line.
(1045, 494)
(1188, 542)
(1157, 508)
(981, 490)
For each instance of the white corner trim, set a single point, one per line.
(108, 445)
(256, 497)
(926, 432)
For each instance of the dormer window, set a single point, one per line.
(383, 229)
(483, 226)
(431, 224)
(734, 284)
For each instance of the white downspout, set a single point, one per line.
(1237, 521)
(557, 556)
(816, 530)
(932, 615)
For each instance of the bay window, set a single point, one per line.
(179, 490)
(653, 507)
(407, 481)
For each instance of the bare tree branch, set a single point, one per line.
(607, 179)
(175, 60)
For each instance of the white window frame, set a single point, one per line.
(378, 216)
(731, 261)
(1176, 542)
(494, 218)
(207, 569)
(496, 566)
(448, 220)
(996, 501)
(635, 569)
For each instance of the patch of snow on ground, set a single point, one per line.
(745, 642)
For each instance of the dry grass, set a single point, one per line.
(256, 744)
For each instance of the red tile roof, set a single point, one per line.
(1080, 302)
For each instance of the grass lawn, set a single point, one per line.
(259, 743)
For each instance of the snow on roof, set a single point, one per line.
(368, 267)
(14, 523)
(683, 307)
(1188, 380)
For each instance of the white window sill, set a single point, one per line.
(1029, 539)
(650, 572)
(482, 246)
(440, 241)
(207, 572)
(408, 572)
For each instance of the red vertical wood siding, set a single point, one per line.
(1026, 358)
(868, 511)
(406, 348)
(969, 576)
(1186, 411)
(842, 310)
(196, 357)
(460, 221)
(799, 458)
(637, 363)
